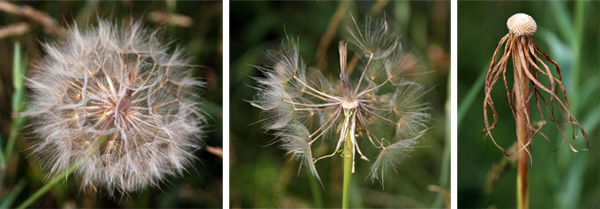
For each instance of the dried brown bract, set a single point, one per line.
(528, 68)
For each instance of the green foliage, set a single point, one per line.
(8, 200)
(18, 99)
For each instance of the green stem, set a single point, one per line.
(347, 171)
(49, 185)
(315, 190)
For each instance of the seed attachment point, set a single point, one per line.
(521, 24)
(349, 104)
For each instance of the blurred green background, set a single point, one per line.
(195, 26)
(568, 32)
(260, 174)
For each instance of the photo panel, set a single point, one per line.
(533, 66)
(111, 104)
(297, 102)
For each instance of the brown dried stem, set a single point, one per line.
(521, 92)
(173, 19)
(49, 24)
(16, 29)
(321, 54)
(218, 151)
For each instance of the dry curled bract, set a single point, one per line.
(381, 108)
(114, 99)
(528, 65)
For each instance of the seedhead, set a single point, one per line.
(116, 100)
(521, 24)
(530, 67)
(382, 108)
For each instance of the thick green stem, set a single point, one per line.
(347, 170)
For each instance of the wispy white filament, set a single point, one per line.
(115, 97)
(382, 108)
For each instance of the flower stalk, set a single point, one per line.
(348, 158)
(521, 85)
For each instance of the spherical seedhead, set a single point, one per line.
(521, 24)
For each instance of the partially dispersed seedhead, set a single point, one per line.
(374, 38)
(381, 108)
(117, 100)
(521, 24)
(527, 65)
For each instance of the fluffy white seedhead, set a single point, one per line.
(378, 107)
(117, 101)
(521, 24)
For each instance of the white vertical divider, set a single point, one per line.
(453, 103)
(225, 103)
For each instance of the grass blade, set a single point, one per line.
(315, 190)
(465, 105)
(10, 197)
(18, 103)
(49, 185)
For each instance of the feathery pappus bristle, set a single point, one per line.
(115, 99)
(381, 108)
